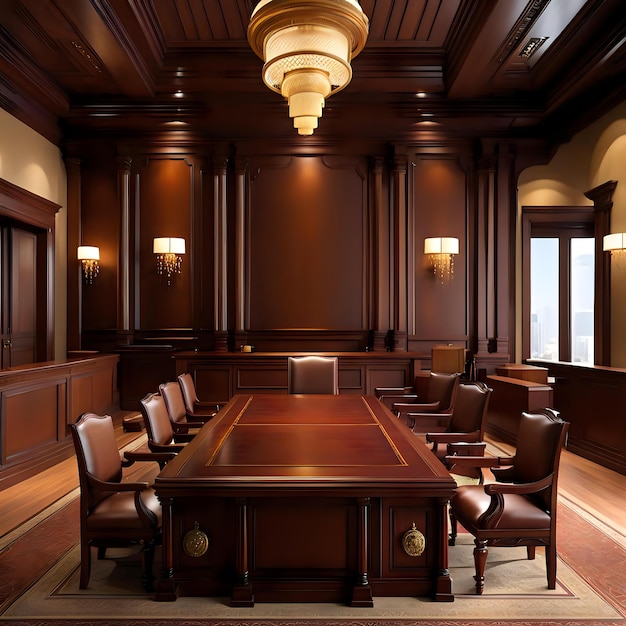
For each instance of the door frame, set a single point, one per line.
(26, 208)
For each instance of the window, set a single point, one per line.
(558, 284)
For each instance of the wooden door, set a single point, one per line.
(18, 277)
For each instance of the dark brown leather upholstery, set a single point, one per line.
(175, 404)
(463, 434)
(112, 513)
(193, 405)
(161, 435)
(313, 374)
(439, 398)
(520, 509)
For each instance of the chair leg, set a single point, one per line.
(85, 564)
(480, 561)
(551, 565)
(102, 552)
(530, 552)
(453, 530)
(147, 562)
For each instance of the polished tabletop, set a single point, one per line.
(267, 440)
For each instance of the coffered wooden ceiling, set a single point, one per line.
(486, 68)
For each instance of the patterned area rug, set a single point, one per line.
(591, 586)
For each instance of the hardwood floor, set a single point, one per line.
(596, 489)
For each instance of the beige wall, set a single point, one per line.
(31, 162)
(593, 157)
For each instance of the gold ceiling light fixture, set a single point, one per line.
(307, 46)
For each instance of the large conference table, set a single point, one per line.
(305, 498)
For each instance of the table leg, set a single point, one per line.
(242, 591)
(361, 592)
(166, 587)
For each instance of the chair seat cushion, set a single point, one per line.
(118, 511)
(470, 502)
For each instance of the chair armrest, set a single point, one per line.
(478, 461)
(108, 487)
(169, 447)
(183, 437)
(519, 488)
(393, 391)
(415, 407)
(467, 448)
(452, 437)
(147, 455)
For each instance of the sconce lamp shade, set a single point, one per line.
(307, 47)
(441, 245)
(89, 257)
(614, 241)
(88, 253)
(169, 245)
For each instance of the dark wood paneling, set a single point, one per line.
(100, 224)
(219, 376)
(165, 210)
(439, 208)
(307, 244)
(38, 401)
(591, 400)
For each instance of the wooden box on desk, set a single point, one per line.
(448, 359)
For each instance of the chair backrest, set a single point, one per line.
(540, 439)
(174, 401)
(97, 455)
(470, 409)
(188, 389)
(313, 374)
(442, 388)
(156, 419)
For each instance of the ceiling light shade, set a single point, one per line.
(169, 251)
(307, 46)
(614, 242)
(441, 251)
(89, 256)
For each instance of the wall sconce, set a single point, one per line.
(89, 256)
(169, 259)
(442, 251)
(614, 243)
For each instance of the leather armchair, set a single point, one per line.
(181, 420)
(520, 508)
(161, 435)
(313, 374)
(193, 405)
(440, 398)
(464, 427)
(112, 513)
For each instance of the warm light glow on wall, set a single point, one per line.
(441, 251)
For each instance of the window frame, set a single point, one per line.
(564, 223)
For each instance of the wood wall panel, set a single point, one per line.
(100, 226)
(307, 244)
(439, 209)
(166, 206)
(30, 417)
